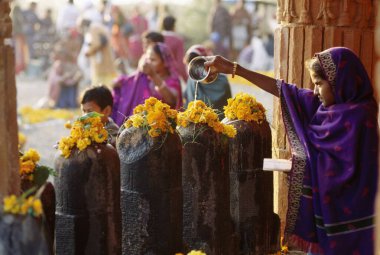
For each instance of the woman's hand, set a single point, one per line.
(148, 69)
(218, 64)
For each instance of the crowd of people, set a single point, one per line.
(135, 56)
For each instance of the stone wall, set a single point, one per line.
(308, 27)
(9, 180)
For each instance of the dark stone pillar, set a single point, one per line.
(252, 189)
(88, 216)
(151, 193)
(206, 207)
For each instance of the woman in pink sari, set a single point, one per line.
(155, 78)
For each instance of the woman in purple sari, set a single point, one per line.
(155, 78)
(333, 133)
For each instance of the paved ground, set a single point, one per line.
(44, 135)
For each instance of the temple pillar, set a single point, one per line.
(307, 27)
(9, 168)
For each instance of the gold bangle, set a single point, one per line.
(234, 69)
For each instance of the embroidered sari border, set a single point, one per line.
(298, 166)
(346, 226)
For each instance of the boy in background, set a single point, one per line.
(99, 99)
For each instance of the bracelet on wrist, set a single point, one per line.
(234, 69)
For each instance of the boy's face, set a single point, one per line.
(91, 106)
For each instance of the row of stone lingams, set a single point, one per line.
(191, 190)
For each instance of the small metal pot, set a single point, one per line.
(197, 71)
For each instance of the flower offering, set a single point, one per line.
(84, 131)
(23, 206)
(244, 107)
(155, 116)
(28, 163)
(198, 112)
(30, 170)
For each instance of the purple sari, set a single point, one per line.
(137, 87)
(333, 181)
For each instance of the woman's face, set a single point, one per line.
(156, 62)
(323, 90)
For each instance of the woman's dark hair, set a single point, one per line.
(314, 65)
(168, 23)
(157, 50)
(153, 36)
(101, 95)
(190, 56)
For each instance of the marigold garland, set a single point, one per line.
(198, 112)
(244, 107)
(84, 131)
(155, 116)
(22, 205)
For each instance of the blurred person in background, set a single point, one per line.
(139, 26)
(99, 52)
(151, 37)
(67, 17)
(31, 26)
(99, 99)
(19, 40)
(214, 94)
(176, 44)
(255, 56)
(157, 78)
(119, 40)
(220, 28)
(46, 38)
(153, 16)
(241, 28)
(63, 80)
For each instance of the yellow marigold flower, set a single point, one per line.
(27, 167)
(199, 112)
(85, 130)
(10, 204)
(229, 131)
(68, 125)
(128, 123)
(37, 207)
(137, 120)
(32, 154)
(155, 116)
(194, 252)
(32, 206)
(244, 107)
(21, 139)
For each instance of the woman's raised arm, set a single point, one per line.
(219, 64)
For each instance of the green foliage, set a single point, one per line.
(90, 115)
(41, 174)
